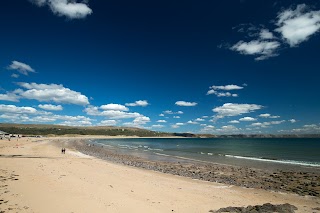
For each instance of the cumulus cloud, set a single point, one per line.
(109, 111)
(177, 125)
(199, 119)
(309, 128)
(9, 97)
(138, 121)
(266, 124)
(141, 103)
(17, 110)
(227, 87)
(76, 123)
(22, 68)
(161, 121)
(176, 117)
(157, 126)
(169, 112)
(68, 8)
(247, 119)
(234, 122)
(51, 92)
(230, 109)
(267, 115)
(215, 90)
(108, 123)
(186, 104)
(296, 26)
(207, 128)
(161, 115)
(118, 107)
(266, 34)
(192, 122)
(112, 114)
(50, 107)
(293, 120)
(260, 48)
(14, 75)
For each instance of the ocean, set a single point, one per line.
(261, 153)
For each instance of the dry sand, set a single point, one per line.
(36, 177)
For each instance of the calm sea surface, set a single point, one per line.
(262, 152)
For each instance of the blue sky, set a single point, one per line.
(223, 67)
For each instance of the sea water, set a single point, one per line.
(261, 152)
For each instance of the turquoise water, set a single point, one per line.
(296, 151)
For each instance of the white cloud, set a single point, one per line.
(310, 128)
(176, 117)
(234, 122)
(230, 109)
(161, 121)
(68, 8)
(266, 34)
(214, 90)
(247, 119)
(292, 120)
(118, 107)
(108, 123)
(266, 124)
(294, 25)
(161, 115)
(192, 122)
(76, 123)
(199, 119)
(227, 87)
(9, 97)
(15, 109)
(169, 112)
(157, 126)
(177, 125)
(267, 115)
(228, 129)
(298, 25)
(207, 128)
(260, 48)
(21, 67)
(138, 121)
(185, 103)
(112, 114)
(14, 75)
(50, 107)
(51, 92)
(138, 103)
(71, 118)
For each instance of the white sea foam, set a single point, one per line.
(301, 163)
(162, 154)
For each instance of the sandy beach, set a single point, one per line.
(36, 177)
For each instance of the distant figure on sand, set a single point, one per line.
(63, 151)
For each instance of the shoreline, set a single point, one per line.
(36, 177)
(287, 181)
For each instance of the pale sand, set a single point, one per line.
(51, 182)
